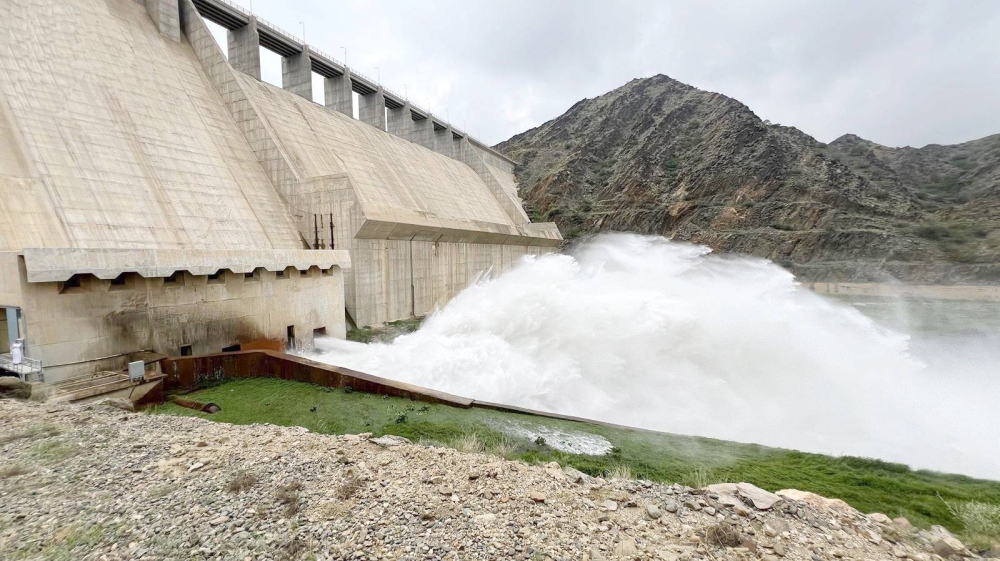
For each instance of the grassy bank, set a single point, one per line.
(385, 332)
(868, 485)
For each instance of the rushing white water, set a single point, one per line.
(663, 335)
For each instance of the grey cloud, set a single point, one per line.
(896, 72)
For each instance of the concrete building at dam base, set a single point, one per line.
(158, 198)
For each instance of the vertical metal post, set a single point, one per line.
(333, 244)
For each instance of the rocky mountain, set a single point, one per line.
(658, 156)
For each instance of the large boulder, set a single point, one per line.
(761, 499)
(946, 546)
(879, 518)
(722, 488)
(817, 501)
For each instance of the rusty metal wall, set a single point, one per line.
(188, 373)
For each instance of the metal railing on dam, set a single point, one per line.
(232, 16)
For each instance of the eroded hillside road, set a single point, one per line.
(94, 482)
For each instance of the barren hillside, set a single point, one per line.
(658, 156)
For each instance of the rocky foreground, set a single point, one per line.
(95, 482)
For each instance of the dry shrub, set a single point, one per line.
(619, 471)
(293, 548)
(241, 482)
(349, 486)
(981, 520)
(12, 470)
(470, 443)
(288, 495)
(723, 535)
(699, 478)
(39, 431)
(504, 446)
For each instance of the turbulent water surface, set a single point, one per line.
(646, 332)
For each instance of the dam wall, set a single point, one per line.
(134, 214)
(155, 195)
(420, 225)
(119, 139)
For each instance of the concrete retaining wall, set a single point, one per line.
(68, 328)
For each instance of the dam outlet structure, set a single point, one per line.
(157, 197)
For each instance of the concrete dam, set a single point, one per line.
(157, 196)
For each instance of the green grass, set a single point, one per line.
(53, 450)
(69, 543)
(385, 332)
(960, 240)
(868, 485)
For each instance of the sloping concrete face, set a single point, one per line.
(395, 180)
(119, 140)
(164, 14)
(120, 159)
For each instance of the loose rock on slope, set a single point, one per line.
(102, 484)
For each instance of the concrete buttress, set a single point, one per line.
(244, 49)
(339, 94)
(166, 16)
(371, 109)
(296, 73)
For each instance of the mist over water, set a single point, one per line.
(663, 335)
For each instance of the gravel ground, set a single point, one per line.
(94, 482)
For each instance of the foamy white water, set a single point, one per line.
(663, 335)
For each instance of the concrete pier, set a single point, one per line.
(296, 73)
(422, 132)
(400, 121)
(371, 109)
(166, 16)
(444, 142)
(340, 94)
(244, 49)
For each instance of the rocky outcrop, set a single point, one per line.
(658, 156)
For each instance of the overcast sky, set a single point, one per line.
(896, 72)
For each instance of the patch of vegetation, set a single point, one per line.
(723, 535)
(69, 543)
(241, 481)
(349, 486)
(11, 470)
(981, 520)
(958, 239)
(288, 495)
(620, 471)
(962, 162)
(867, 484)
(385, 332)
(943, 187)
(53, 450)
(30, 433)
